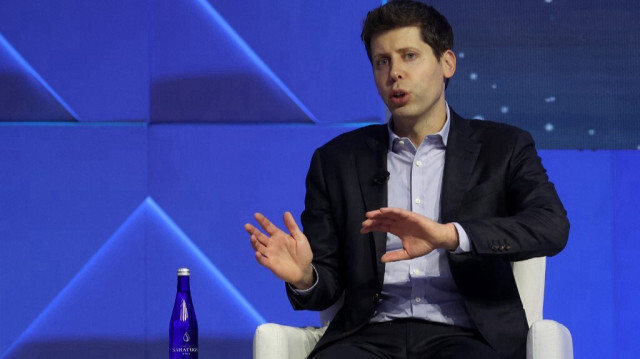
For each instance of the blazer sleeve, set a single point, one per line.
(533, 222)
(319, 227)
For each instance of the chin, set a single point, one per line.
(401, 112)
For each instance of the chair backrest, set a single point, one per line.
(529, 275)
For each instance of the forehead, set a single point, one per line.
(398, 38)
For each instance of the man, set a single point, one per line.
(416, 222)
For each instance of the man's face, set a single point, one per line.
(408, 76)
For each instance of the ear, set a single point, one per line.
(448, 62)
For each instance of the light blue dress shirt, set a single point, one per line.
(421, 287)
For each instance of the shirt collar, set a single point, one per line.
(443, 133)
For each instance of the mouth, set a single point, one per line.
(399, 97)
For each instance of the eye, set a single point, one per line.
(382, 62)
(410, 55)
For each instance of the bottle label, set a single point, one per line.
(184, 346)
(184, 350)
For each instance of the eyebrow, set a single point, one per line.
(407, 49)
(400, 50)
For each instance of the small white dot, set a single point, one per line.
(461, 55)
(638, 147)
(550, 99)
(548, 1)
(418, 299)
(401, 143)
(473, 76)
(418, 163)
(549, 127)
(494, 86)
(504, 109)
(478, 117)
(592, 132)
(418, 201)
(416, 271)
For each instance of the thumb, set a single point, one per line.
(291, 225)
(395, 256)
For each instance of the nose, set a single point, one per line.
(396, 73)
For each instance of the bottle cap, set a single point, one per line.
(183, 272)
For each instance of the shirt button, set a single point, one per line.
(418, 299)
(415, 271)
(418, 201)
(401, 143)
(418, 163)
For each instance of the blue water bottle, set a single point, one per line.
(183, 329)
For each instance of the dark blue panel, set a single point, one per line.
(64, 189)
(580, 280)
(626, 239)
(546, 66)
(94, 54)
(125, 288)
(211, 179)
(551, 73)
(315, 48)
(24, 95)
(226, 320)
(204, 72)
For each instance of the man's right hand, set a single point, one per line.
(288, 256)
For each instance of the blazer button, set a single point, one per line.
(495, 247)
(376, 298)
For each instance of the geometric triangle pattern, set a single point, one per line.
(120, 302)
(24, 94)
(206, 72)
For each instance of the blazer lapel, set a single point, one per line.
(460, 158)
(371, 164)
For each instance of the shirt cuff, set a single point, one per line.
(464, 245)
(305, 293)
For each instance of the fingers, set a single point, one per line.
(382, 219)
(256, 235)
(375, 226)
(262, 260)
(292, 226)
(394, 256)
(389, 213)
(373, 214)
(257, 245)
(377, 222)
(250, 228)
(388, 219)
(268, 227)
(274, 235)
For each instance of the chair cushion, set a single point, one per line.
(548, 339)
(274, 341)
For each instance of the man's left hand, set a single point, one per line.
(419, 234)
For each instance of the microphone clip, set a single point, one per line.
(381, 178)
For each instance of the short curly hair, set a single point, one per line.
(434, 27)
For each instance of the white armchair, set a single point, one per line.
(547, 339)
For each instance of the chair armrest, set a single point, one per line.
(274, 341)
(548, 339)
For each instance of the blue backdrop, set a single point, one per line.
(139, 136)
